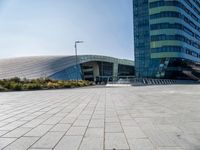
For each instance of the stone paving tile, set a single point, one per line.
(81, 122)
(3, 132)
(28, 118)
(134, 132)
(12, 119)
(125, 117)
(188, 142)
(17, 132)
(38, 149)
(141, 144)
(87, 117)
(113, 127)
(49, 140)
(112, 119)
(160, 139)
(95, 132)
(69, 142)
(93, 139)
(128, 123)
(115, 141)
(44, 117)
(33, 123)
(53, 120)
(97, 123)
(68, 120)
(170, 129)
(128, 118)
(98, 116)
(3, 123)
(170, 148)
(76, 131)
(90, 143)
(22, 143)
(61, 127)
(39, 130)
(12, 125)
(6, 141)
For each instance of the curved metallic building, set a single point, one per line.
(167, 38)
(90, 67)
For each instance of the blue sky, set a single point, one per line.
(50, 27)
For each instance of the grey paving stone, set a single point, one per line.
(125, 117)
(12, 125)
(61, 127)
(28, 118)
(9, 120)
(39, 130)
(53, 120)
(168, 128)
(134, 132)
(6, 141)
(97, 123)
(68, 120)
(44, 116)
(3, 123)
(170, 148)
(113, 127)
(69, 142)
(95, 132)
(115, 141)
(49, 140)
(93, 139)
(87, 117)
(129, 123)
(81, 123)
(141, 144)
(38, 149)
(91, 143)
(18, 132)
(112, 119)
(3, 132)
(76, 131)
(160, 139)
(22, 143)
(166, 116)
(188, 142)
(33, 123)
(98, 116)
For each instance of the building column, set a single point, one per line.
(115, 69)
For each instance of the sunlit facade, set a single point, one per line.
(167, 38)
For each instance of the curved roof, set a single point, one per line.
(44, 66)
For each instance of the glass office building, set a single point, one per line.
(167, 38)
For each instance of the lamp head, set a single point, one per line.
(78, 41)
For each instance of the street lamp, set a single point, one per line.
(77, 42)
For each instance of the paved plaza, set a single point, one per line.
(102, 118)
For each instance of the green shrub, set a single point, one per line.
(2, 88)
(52, 85)
(15, 79)
(37, 84)
(32, 86)
(15, 86)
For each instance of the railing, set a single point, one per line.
(145, 81)
(114, 79)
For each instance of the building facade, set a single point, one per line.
(88, 67)
(167, 38)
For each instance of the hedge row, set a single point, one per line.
(17, 84)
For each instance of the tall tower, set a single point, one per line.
(167, 38)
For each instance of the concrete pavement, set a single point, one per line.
(121, 118)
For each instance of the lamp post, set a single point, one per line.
(77, 42)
